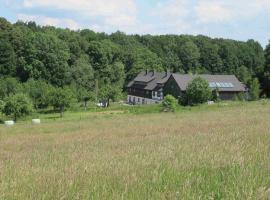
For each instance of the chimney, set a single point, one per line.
(154, 72)
(167, 72)
(146, 71)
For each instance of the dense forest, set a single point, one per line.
(84, 61)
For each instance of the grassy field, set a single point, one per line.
(207, 152)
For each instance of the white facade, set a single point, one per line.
(157, 95)
(141, 100)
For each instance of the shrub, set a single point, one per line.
(198, 91)
(18, 105)
(183, 100)
(254, 89)
(215, 96)
(169, 103)
(239, 97)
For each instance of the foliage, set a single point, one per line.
(17, 105)
(198, 91)
(7, 56)
(169, 103)
(39, 92)
(240, 97)
(82, 73)
(109, 92)
(215, 96)
(61, 98)
(254, 89)
(190, 55)
(9, 86)
(62, 57)
(243, 74)
(266, 75)
(183, 99)
(83, 95)
(2, 105)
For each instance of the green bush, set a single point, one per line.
(239, 97)
(183, 100)
(254, 89)
(215, 96)
(198, 91)
(18, 105)
(169, 103)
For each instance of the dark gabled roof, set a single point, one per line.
(184, 79)
(149, 80)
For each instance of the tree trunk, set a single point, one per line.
(85, 105)
(108, 102)
(62, 112)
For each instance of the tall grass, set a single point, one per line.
(207, 152)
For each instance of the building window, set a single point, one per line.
(143, 101)
(158, 94)
(139, 100)
(129, 99)
(134, 99)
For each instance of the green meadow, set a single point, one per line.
(220, 151)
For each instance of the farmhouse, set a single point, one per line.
(150, 87)
(227, 86)
(147, 87)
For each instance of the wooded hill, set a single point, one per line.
(81, 59)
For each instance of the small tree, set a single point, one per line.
(61, 98)
(254, 89)
(83, 95)
(18, 105)
(109, 92)
(169, 103)
(198, 91)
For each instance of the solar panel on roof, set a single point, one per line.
(226, 85)
(221, 85)
(218, 84)
(231, 85)
(212, 85)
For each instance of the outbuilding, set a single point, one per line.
(227, 86)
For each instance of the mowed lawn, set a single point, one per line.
(210, 152)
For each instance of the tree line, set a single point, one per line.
(98, 65)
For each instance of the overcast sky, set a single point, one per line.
(235, 19)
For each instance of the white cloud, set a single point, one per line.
(116, 13)
(172, 9)
(213, 12)
(170, 16)
(209, 11)
(263, 3)
(58, 22)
